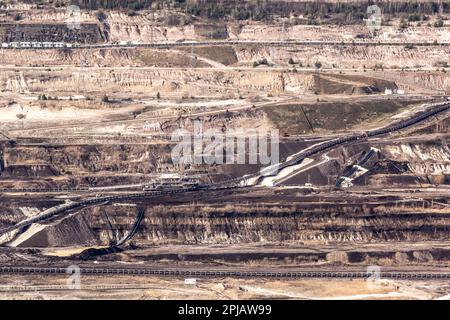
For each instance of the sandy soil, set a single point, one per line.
(32, 287)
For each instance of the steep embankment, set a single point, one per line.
(295, 223)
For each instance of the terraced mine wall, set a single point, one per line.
(339, 224)
(70, 166)
(43, 165)
(193, 82)
(304, 56)
(310, 222)
(78, 159)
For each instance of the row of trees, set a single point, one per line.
(348, 12)
(113, 4)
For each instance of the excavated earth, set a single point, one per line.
(98, 118)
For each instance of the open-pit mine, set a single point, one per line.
(224, 149)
